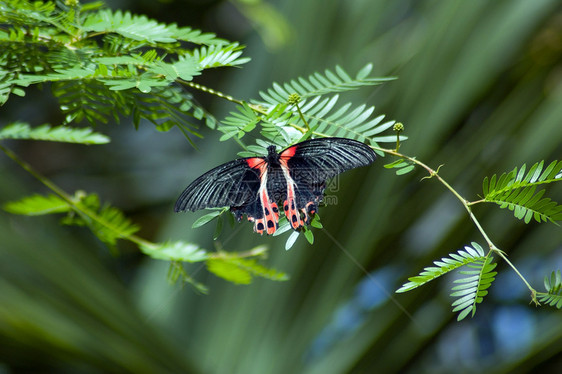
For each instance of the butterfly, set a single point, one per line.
(296, 176)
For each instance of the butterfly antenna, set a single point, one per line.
(371, 277)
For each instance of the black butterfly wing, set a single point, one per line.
(232, 184)
(317, 160)
(310, 164)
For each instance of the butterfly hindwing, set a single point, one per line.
(310, 164)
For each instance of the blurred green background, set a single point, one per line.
(479, 90)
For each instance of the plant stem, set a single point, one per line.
(467, 206)
(93, 216)
(302, 117)
(70, 200)
(212, 92)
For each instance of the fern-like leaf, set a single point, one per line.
(402, 166)
(141, 28)
(241, 270)
(447, 264)
(473, 288)
(174, 251)
(321, 84)
(219, 55)
(130, 26)
(65, 134)
(106, 222)
(553, 295)
(37, 205)
(517, 191)
(322, 114)
(240, 122)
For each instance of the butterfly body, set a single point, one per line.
(295, 178)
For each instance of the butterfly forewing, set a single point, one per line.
(232, 184)
(317, 160)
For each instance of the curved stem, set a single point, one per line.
(467, 205)
(72, 202)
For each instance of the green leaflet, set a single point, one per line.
(282, 123)
(402, 166)
(319, 84)
(37, 205)
(553, 286)
(518, 191)
(106, 77)
(471, 289)
(106, 222)
(65, 134)
(142, 28)
(242, 271)
(174, 251)
(206, 218)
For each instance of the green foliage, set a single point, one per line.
(553, 295)
(65, 134)
(319, 84)
(142, 29)
(174, 251)
(402, 166)
(103, 64)
(243, 120)
(446, 265)
(291, 240)
(207, 218)
(106, 222)
(311, 113)
(470, 289)
(241, 271)
(37, 205)
(517, 191)
(473, 288)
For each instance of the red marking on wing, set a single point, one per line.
(268, 213)
(255, 162)
(290, 205)
(289, 152)
(259, 226)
